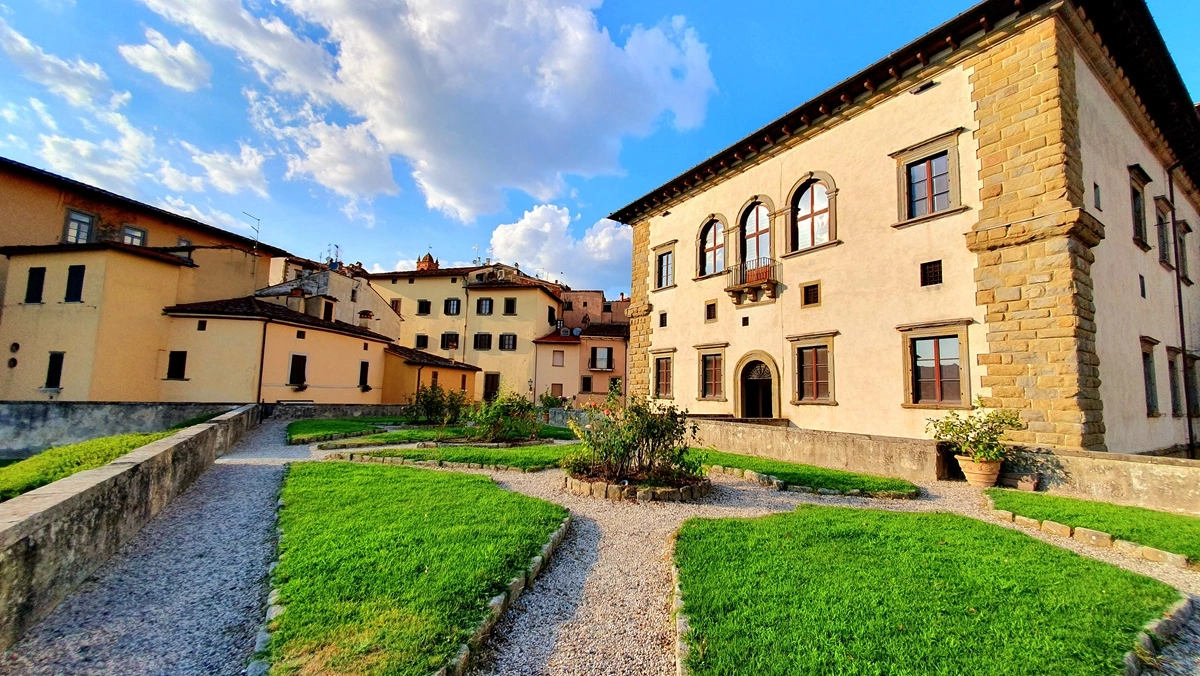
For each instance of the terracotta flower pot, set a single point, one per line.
(981, 474)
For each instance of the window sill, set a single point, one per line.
(663, 288)
(717, 399)
(939, 407)
(177, 380)
(812, 249)
(1167, 266)
(37, 303)
(813, 402)
(510, 314)
(710, 276)
(1154, 415)
(661, 398)
(50, 390)
(1141, 243)
(931, 217)
(1186, 280)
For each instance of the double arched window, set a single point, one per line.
(712, 248)
(756, 235)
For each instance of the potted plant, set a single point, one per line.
(976, 440)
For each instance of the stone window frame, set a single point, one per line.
(656, 356)
(1175, 381)
(740, 230)
(1138, 180)
(708, 350)
(657, 252)
(820, 294)
(936, 329)
(806, 340)
(713, 219)
(712, 302)
(1163, 234)
(948, 143)
(831, 192)
(1150, 376)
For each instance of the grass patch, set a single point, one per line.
(63, 461)
(409, 436)
(1174, 533)
(847, 591)
(388, 570)
(197, 420)
(561, 433)
(524, 457)
(807, 475)
(304, 431)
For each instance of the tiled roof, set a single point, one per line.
(422, 358)
(442, 272)
(606, 330)
(93, 191)
(519, 283)
(143, 251)
(250, 306)
(557, 337)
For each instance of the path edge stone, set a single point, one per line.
(681, 621)
(1157, 633)
(369, 459)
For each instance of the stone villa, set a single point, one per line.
(1000, 209)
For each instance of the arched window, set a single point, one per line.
(712, 249)
(756, 231)
(811, 221)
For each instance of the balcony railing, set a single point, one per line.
(753, 278)
(600, 365)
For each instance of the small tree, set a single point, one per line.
(508, 417)
(635, 442)
(976, 435)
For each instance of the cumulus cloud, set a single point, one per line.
(78, 81)
(542, 242)
(178, 180)
(204, 215)
(479, 96)
(233, 173)
(179, 66)
(115, 163)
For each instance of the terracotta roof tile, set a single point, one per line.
(422, 358)
(250, 306)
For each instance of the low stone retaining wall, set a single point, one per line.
(327, 411)
(1165, 484)
(912, 459)
(54, 537)
(30, 427)
(617, 492)
(1157, 633)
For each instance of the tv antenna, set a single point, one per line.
(257, 227)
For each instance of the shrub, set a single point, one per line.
(976, 435)
(549, 401)
(436, 405)
(638, 442)
(508, 417)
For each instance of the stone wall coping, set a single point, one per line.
(804, 430)
(1104, 455)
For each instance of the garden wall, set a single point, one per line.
(326, 411)
(54, 537)
(560, 416)
(30, 427)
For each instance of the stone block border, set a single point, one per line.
(681, 621)
(458, 441)
(617, 492)
(1157, 633)
(374, 459)
(316, 439)
(777, 483)
(1094, 538)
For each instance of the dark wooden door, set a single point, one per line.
(491, 386)
(757, 395)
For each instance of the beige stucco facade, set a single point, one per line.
(334, 360)
(1039, 287)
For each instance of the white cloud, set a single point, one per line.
(541, 241)
(233, 173)
(43, 115)
(179, 66)
(177, 180)
(208, 215)
(10, 113)
(480, 96)
(78, 81)
(112, 163)
(14, 141)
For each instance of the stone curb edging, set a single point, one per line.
(502, 602)
(617, 492)
(259, 666)
(1091, 537)
(1157, 633)
(316, 439)
(450, 443)
(681, 621)
(371, 459)
(777, 483)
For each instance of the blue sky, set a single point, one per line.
(468, 128)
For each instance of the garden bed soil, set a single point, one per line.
(686, 491)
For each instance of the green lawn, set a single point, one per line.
(1170, 532)
(63, 461)
(807, 475)
(524, 457)
(388, 570)
(304, 431)
(828, 590)
(409, 436)
(551, 432)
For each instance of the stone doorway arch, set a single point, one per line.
(757, 386)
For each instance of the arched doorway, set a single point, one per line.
(758, 394)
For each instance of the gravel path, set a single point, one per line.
(186, 595)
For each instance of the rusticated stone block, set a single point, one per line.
(1094, 538)
(1027, 522)
(645, 495)
(1055, 528)
(1127, 547)
(1003, 515)
(1159, 556)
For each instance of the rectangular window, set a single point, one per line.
(301, 335)
(713, 384)
(568, 306)
(298, 372)
(1148, 379)
(396, 303)
(1162, 224)
(327, 313)
(491, 386)
(1181, 245)
(133, 236)
(811, 295)
(1190, 388)
(935, 370)
(551, 316)
(931, 273)
(424, 307)
(662, 377)
(176, 365)
(665, 270)
(449, 341)
(710, 311)
(364, 374)
(662, 320)
(510, 306)
(1142, 284)
(929, 185)
(1096, 195)
(75, 284)
(483, 306)
(353, 295)
(585, 385)
(812, 366)
(54, 371)
(508, 341)
(483, 341)
(34, 285)
(601, 359)
(556, 390)
(463, 383)
(202, 325)
(607, 307)
(1174, 384)
(1138, 178)
(451, 306)
(433, 378)
(559, 357)
(421, 342)
(79, 228)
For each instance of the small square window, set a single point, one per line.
(451, 306)
(607, 307)
(300, 335)
(421, 342)
(483, 341)
(424, 307)
(449, 341)
(365, 346)
(585, 385)
(510, 306)
(133, 236)
(410, 281)
(710, 311)
(508, 341)
(931, 273)
(79, 228)
(662, 319)
(202, 325)
(745, 321)
(811, 295)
